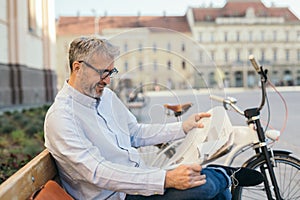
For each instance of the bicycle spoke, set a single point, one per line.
(288, 189)
(286, 170)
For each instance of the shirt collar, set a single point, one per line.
(79, 97)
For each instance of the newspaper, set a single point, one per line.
(201, 143)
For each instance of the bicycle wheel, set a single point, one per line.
(287, 172)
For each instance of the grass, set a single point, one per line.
(21, 139)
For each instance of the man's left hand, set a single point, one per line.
(194, 122)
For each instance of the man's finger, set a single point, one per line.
(201, 115)
(198, 183)
(196, 167)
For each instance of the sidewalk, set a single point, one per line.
(217, 90)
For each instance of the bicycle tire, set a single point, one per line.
(287, 171)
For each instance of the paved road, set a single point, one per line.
(154, 111)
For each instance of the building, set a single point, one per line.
(244, 27)
(27, 57)
(207, 47)
(149, 56)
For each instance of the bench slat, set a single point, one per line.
(29, 178)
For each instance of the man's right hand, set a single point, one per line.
(185, 177)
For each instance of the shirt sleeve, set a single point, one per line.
(83, 162)
(151, 134)
(144, 134)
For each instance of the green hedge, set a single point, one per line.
(21, 138)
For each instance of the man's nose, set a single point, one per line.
(106, 80)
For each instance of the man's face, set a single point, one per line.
(91, 83)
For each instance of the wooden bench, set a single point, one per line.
(29, 178)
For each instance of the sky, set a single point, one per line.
(147, 7)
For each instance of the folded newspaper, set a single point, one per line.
(201, 144)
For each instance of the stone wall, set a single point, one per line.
(21, 85)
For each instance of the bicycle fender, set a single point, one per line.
(275, 152)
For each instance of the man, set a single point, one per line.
(93, 138)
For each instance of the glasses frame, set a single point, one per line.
(101, 72)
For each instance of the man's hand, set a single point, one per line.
(193, 122)
(185, 177)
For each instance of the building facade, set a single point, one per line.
(27, 57)
(207, 47)
(247, 27)
(149, 57)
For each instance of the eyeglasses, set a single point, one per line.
(103, 73)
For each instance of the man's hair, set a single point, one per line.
(83, 48)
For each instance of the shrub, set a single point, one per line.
(7, 128)
(33, 127)
(21, 138)
(18, 137)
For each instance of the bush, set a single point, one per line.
(33, 127)
(18, 137)
(7, 128)
(21, 138)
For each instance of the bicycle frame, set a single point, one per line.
(255, 135)
(243, 137)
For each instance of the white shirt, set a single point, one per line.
(94, 144)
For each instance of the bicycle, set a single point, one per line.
(268, 161)
(279, 167)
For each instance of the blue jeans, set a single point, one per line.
(216, 188)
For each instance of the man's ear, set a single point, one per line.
(76, 66)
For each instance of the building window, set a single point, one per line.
(298, 35)
(226, 55)
(35, 16)
(141, 66)
(287, 55)
(212, 37)
(154, 46)
(31, 15)
(286, 36)
(212, 81)
(274, 55)
(183, 65)
(274, 36)
(212, 55)
(262, 36)
(225, 36)
(250, 52)
(298, 54)
(169, 65)
(238, 55)
(169, 46)
(250, 36)
(125, 47)
(238, 79)
(201, 56)
(155, 65)
(237, 36)
(126, 66)
(200, 37)
(140, 47)
(182, 47)
(262, 53)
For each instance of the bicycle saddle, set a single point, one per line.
(178, 109)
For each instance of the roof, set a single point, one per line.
(86, 25)
(238, 8)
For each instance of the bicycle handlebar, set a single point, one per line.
(263, 80)
(254, 63)
(228, 101)
(231, 101)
